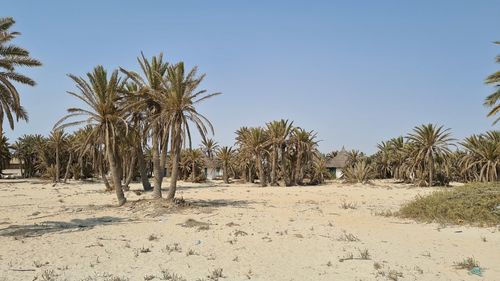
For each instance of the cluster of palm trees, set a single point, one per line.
(279, 154)
(429, 156)
(126, 110)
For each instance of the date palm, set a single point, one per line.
(143, 102)
(279, 131)
(178, 111)
(12, 57)
(493, 100)
(103, 112)
(305, 144)
(257, 142)
(57, 139)
(430, 144)
(482, 155)
(225, 156)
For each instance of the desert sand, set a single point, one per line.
(74, 232)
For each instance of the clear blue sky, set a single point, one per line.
(357, 72)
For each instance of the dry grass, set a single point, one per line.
(467, 263)
(475, 204)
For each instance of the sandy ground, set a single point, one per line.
(74, 232)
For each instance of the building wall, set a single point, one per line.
(338, 173)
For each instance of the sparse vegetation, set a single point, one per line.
(477, 204)
(348, 205)
(467, 263)
(364, 254)
(348, 237)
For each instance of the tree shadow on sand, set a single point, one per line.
(40, 229)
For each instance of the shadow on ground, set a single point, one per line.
(40, 229)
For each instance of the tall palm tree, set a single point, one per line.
(431, 143)
(225, 156)
(305, 144)
(144, 102)
(178, 110)
(11, 57)
(104, 113)
(279, 131)
(258, 142)
(57, 139)
(493, 100)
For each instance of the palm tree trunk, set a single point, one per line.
(142, 168)
(130, 172)
(283, 166)
(115, 168)
(225, 172)
(431, 170)
(176, 153)
(274, 156)
(163, 161)
(298, 164)
(158, 173)
(57, 163)
(193, 171)
(262, 173)
(104, 179)
(68, 166)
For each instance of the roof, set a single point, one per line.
(339, 161)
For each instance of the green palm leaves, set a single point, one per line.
(12, 57)
(493, 100)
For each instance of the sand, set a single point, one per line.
(74, 232)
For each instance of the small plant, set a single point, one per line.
(144, 250)
(364, 254)
(166, 275)
(394, 275)
(173, 248)
(468, 263)
(48, 275)
(361, 172)
(39, 264)
(385, 213)
(377, 265)
(191, 252)
(215, 274)
(329, 264)
(348, 205)
(483, 238)
(349, 237)
(149, 277)
(152, 237)
(349, 256)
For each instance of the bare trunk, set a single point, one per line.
(262, 174)
(104, 179)
(68, 166)
(142, 168)
(225, 171)
(251, 178)
(158, 173)
(57, 164)
(193, 171)
(298, 169)
(114, 167)
(176, 151)
(431, 169)
(274, 161)
(284, 170)
(130, 173)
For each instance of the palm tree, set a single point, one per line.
(5, 154)
(195, 158)
(178, 110)
(257, 142)
(56, 141)
(279, 131)
(431, 143)
(225, 156)
(11, 57)
(305, 144)
(482, 156)
(104, 114)
(143, 101)
(492, 100)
